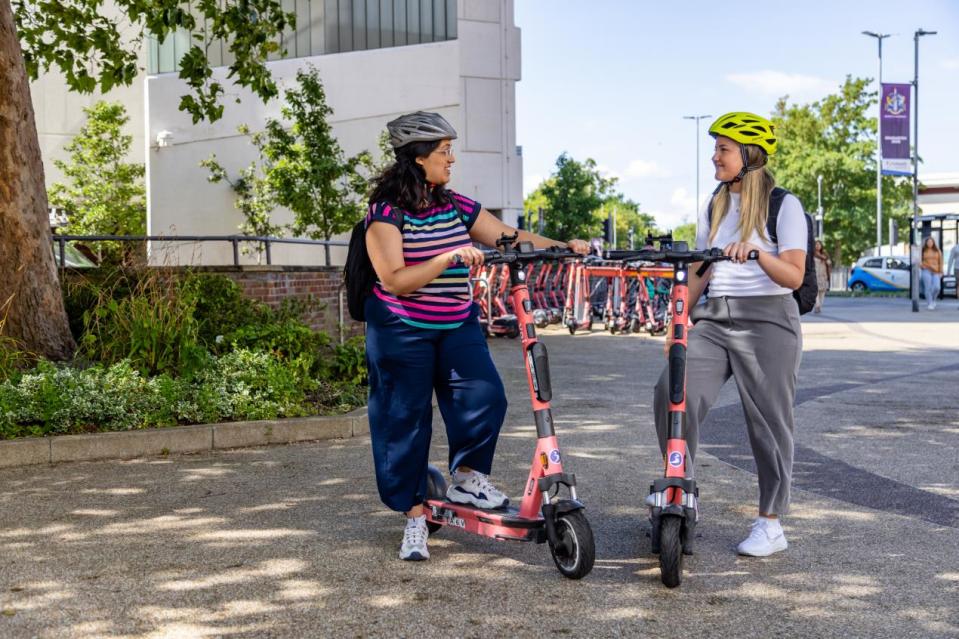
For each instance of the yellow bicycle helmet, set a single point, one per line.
(746, 128)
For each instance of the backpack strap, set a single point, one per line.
(775, 203)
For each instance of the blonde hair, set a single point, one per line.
(758, 184)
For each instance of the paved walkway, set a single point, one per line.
(292, 542)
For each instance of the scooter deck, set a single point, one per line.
(499, 523)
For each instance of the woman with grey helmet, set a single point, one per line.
(423, 335)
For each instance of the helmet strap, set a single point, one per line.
(746, 168)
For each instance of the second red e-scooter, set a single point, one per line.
(674, 510)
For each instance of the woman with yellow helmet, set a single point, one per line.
(748, 328)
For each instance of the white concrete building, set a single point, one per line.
(377, 59)
(939, 193)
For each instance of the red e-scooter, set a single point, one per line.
(675, 508)
(541, 516)
(578, 309)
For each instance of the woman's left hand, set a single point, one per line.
(739, 251)
(578, 246)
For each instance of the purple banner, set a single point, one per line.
(894, 129)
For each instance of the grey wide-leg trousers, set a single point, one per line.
(757, 340)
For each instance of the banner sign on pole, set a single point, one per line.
(894, 129)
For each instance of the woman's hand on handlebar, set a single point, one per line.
(578, 246)
(465, 255)
(739, 252)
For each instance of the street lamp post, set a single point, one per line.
(914, 280)
(820, 230)
(697, 118)
(879, 38)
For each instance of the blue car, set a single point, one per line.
(880, 274)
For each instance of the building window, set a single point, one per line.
(331, 26)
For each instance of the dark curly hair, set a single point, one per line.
(404, 184)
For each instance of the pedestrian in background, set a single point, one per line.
(931, 271)
(823, 273)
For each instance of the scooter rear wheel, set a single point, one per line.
(576, 552)
(670, 550)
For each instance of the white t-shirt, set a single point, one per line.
(748, 279)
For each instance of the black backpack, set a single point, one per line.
(358, 274)
(806, 293)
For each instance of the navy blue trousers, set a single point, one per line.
(406, 365)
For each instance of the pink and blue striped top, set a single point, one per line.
(445, 302)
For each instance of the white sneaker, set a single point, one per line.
(413, 547)
(765, 538)
(475, 488)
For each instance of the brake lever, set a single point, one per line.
(753, 255)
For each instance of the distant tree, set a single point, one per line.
(535, 203)
(303, 168)
(685, 233)
(835, 138)
(254, 195)
(103, 193)
(628, 216)
(574, 192)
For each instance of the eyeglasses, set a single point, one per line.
(448, 151)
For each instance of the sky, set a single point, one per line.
(612, 79)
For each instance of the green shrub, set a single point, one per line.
(349, 361)
(60, 399)
(247, 384)
(154, 328)
(241, 385)
(288, 339)
(220, 307)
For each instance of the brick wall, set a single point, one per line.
(318, 285)
(321, 285)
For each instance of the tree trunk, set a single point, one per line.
(31, 303)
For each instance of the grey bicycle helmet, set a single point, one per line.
(421, 126)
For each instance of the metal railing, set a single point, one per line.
(235, 240)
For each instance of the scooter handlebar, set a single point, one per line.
(555, 253)
(648, 255)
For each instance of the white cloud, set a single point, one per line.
(950, 65)
(645, 169)
(607, 172)
(774, 84)
(683, 200)
(682, 210)
(669, 219)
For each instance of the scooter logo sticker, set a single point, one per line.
(675, 459)
(554, 456)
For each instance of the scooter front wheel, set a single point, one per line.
(575, 553)
(671, 550)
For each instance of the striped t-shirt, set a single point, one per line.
(445, 302)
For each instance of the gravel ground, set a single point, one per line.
(291, 541)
